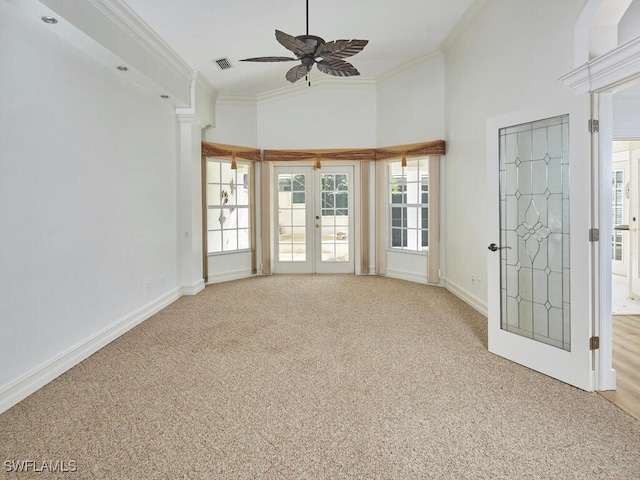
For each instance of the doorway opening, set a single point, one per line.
(625, 250)
(314, 221)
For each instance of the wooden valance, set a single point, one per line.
(233, 152)
(413, 150)
(300, 155)
(425, 149)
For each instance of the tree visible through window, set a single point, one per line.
(409, 204)
(228, 222)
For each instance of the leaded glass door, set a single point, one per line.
(530, 261)
(314, 226)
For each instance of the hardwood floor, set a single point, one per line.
(626, 362)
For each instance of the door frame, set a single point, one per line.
(573, 367)
(600, 77)
(269, 185)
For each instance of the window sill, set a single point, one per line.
(231, 252)
(421, 253)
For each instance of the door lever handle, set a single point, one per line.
(493, 247)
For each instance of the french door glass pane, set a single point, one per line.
(534, 231)
(335, 217)
(292, 217)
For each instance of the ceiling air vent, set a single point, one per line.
(223, 63)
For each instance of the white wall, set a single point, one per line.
(87, 198)
(629, 26)
(406, 107)
(410, 104)
(236, 122)
(507, 58)
(410, 109)
(324, 115)
(626, 113)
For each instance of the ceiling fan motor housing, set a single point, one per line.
(311, 40)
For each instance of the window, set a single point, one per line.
(617, 192)
(228, 206)
(409, 205)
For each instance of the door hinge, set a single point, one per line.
(594, 126)
(594, 235)
(594, 343)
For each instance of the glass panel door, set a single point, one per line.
(537, 265)
(534, 228)
(335, 233)
(314, 228)
(620, 210)
(294, 220)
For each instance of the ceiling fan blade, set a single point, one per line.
(295, 45)
(269, 59)
(340, 48)
(296, 73)
(338, 68)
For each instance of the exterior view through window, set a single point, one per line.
(408, 189)
(228, 208)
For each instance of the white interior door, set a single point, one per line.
(634, 214)
(620, 188)
(314, 222)
(537, 263)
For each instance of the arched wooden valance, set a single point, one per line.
(413, 150)
(425, 149)
(233, 152)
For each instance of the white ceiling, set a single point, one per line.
(201, 31)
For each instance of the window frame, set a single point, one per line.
(236, 207)
(421, 166)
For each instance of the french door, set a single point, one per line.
(538, 251)
(314, 219)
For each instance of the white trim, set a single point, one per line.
(467, 297)
(324, 83)
(127, 20)
(608, 71)
(40, 376)
(409, 276)
(407, 68)
(194, 288)
(113, 34)
(605, 375)
(232, 99)
(229, 276)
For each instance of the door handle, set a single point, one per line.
(493, 247)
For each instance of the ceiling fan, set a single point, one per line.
(311, 50)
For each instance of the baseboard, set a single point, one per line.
(467, 297)
(229, 276)
(39, 377)
(409, 276)
(194, 288)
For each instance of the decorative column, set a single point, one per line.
(190, 248)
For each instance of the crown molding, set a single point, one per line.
(410, 67)
(608, 71)
(232, 99)
(322, 83)
(128, 21)
(113, 34)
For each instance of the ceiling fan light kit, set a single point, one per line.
(311, 50)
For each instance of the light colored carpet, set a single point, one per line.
(336, 377)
